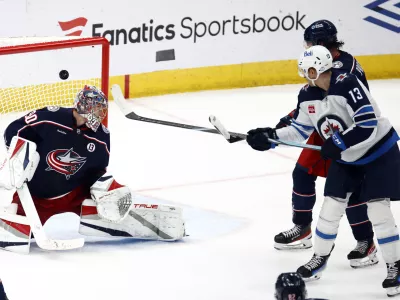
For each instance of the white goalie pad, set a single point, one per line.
(20, 164)
(144, 221)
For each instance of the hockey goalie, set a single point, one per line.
(57, 159)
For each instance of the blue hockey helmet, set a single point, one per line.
(322, 32)
(290, 286)
(92, 104)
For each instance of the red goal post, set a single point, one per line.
(49, 71)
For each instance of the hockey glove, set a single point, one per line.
(258, 138)
(286, 120)
(333, 147)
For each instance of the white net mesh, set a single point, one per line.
(33, 80)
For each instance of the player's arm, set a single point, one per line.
(286, 120)
(23, 127)
(358, 104)
(300, 128)
(354, 96)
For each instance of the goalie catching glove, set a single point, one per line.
(113, 201)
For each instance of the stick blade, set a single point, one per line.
(60, 245)
(218, 126)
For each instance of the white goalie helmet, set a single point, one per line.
(317, 57)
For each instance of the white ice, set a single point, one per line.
(235, 200)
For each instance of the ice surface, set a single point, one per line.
(235, 200)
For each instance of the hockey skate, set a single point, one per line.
(363, 255)
(313, 269)
(392, 281)
(299, 237)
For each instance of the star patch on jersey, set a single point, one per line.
(64, 161)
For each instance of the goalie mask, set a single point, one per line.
(92, 104)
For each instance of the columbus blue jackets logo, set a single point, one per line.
(64, 161)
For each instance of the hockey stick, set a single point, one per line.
(227, 135)
(130, 114)
(231, 137)
(36, 225)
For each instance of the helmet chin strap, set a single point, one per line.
(312, 80)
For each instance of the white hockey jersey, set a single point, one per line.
(348, 113)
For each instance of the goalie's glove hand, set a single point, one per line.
(258, 139)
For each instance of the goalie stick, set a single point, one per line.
(36, 225)
(231, 137)
(227, 135)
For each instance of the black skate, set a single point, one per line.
(299, 237)
(363, 255)
(313, 269)
(391, 283)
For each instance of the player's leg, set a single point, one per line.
(340, 182)
(303, 200)
(381, 184)
(308, 167)
(364, 254)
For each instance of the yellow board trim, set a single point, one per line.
(244, 75)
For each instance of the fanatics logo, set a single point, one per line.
(311, 109)
(73, 27)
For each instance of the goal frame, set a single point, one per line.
(70, 43)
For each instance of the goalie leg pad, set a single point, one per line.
(15, 233)
(144, 221)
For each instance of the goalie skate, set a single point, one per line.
(297, 238)
(363, 255)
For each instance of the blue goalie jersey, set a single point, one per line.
(70, 156)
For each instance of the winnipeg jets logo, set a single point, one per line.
(328, 125)
(64, 161)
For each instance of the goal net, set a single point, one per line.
(49, 71)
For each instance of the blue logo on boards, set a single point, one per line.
(375, 6)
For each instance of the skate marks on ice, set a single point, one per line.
(200, 225)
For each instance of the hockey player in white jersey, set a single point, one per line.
(363, 146)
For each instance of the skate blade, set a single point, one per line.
(368, 261)
(393, 291)
(297, 245)
(313, 278)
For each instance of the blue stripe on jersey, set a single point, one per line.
(386, 146)
(324, 235)
(306, 127)
(364, 109)
(388, 239)
(304, 135)
(364, 117)
(370, 123)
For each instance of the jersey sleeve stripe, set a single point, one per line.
(369, 124)
(306, 127)
(364, 109)
(302, 133)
